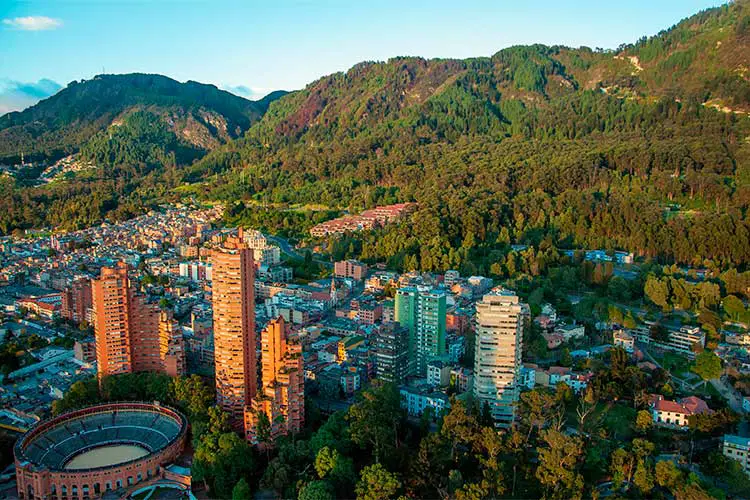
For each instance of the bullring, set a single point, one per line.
(93, 451)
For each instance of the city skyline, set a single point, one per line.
(506, 254)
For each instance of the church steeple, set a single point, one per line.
(334, 295)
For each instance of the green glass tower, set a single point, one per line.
(422, 313)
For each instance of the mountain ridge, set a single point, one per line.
(62, 123)
(538, 145)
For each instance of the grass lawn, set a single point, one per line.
(674, 363)
(617, 418)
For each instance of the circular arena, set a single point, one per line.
(101, 449)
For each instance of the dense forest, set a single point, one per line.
(644, 148)
(374, 451)
(521, 148)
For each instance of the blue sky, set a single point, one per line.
(254, 47)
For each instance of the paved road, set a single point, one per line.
(727, 391)
(291, 251)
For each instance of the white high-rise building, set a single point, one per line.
(500, 321)
(265, 254)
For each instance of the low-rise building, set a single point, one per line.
(456, 345)
(416, 400)
(683, 341)
(85, 350)
(350, 269)
(623, 339)
(438, 373)
(738, 448)
(347, 344)
(675, 414)
(528, 375)
(570, 332)
(462, 379)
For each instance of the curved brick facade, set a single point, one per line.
(41, 476)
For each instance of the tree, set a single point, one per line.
(711, 422)
(193, 394)
(657, 292)
(644, 477)
(81, 393)
(559, 461)
(221, 456)
(539, 408)
(339, 470)
(668, 475)
(734, 307)
(586, 406)
(316, 490)
(565, 358)
(460, 428)
(334, 433)
(241, 490)
(486, 419)
(644, 421)
(374, 420)
(621, 467)
(263, 430)
(429, 469)
(707, 365)
(376, 483)
(728, 472)
(629, 321)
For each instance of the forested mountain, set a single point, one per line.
(645, 148)
(199, 115)
(575, 147)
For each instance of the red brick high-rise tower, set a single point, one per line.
(77, 300)
(111, 321)
(130, 332)
(235, 342)
(282, 398)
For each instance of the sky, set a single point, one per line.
(251, 47)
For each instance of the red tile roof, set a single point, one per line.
(691, 405)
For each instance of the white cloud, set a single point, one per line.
(15, 95)
(247, 92)
(33, 23)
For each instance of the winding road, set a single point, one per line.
(292, 252)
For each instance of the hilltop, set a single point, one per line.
(199, 115)
(644, 148)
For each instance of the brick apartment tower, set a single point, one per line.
(233, 291)
(77, 300)
(171, 346)
(111, 321)
(282, 397)
(130, 331)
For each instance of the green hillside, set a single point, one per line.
(572, 147)
(198, 114)
(643, 148)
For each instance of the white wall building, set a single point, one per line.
(497, 364)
